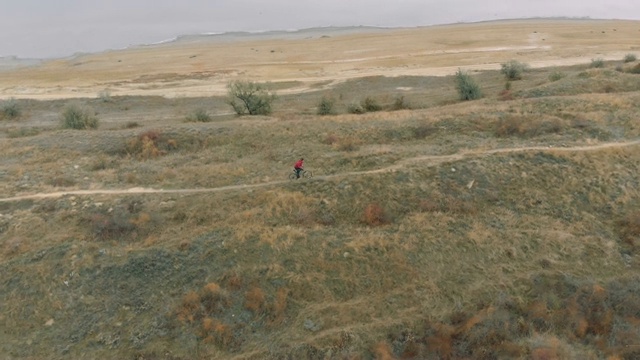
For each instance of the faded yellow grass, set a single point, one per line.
(437, 50)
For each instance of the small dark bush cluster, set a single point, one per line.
(326, 106)
(556, 75)
(10, 109)
(423, 130)
(400, 103)
(370, 104)
(524, 126)
(124, 222)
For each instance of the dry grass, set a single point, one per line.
(506, 255)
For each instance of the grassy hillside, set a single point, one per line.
(415, 238)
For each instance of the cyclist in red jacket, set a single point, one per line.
(298, 167)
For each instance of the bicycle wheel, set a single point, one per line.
(307, 174)
(292, 176)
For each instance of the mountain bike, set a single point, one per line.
(306, 174)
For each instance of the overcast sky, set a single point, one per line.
(59, 28)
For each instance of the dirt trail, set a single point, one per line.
(432, 159)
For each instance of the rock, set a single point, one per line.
(346, 254)
(312, 326)
(76, 167)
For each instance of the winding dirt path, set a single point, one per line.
(432, 160)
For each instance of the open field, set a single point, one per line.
(501, 228)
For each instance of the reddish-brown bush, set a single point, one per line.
(375, 215)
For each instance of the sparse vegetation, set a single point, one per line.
(400, 103)
(105, 95)
(556, 75)
(200, 115)
(370, 104)
(467, 87)
(10, 109)
(630, 58)
(326, 106)
(78, 117)
(247, 97)
(355, 108)
(597, 63)
(513, 69)
(461, 230)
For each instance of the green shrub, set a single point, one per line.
(326, 106)
(11, 109)
(630, 58)
(247, 97)
(556, 75)
(513, 69)
(597, 63)
(467, 87)
(79, 118)
(370, 105)
(199, 115)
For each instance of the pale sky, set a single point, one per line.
(60, 28)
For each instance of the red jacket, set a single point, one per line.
(298, 164)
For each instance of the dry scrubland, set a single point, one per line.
(451, 251)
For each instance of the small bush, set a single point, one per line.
(10, 109)
(255, 300)
(150, 144)
(78, 118)
(629, 228)
(466, 86)
(400, 104)
(248, 97)
(330, 139)
(326, 106)
(371, 105)
(121, 223)
(422, 131)
(199, 115)
(597, 63)
(347, 144)
(630, 58)
(105, 95)
(521, 126)
(635, 69)
(513, 69)
(556, 75)
(375, 215)
(131, 125)
(355, 108)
